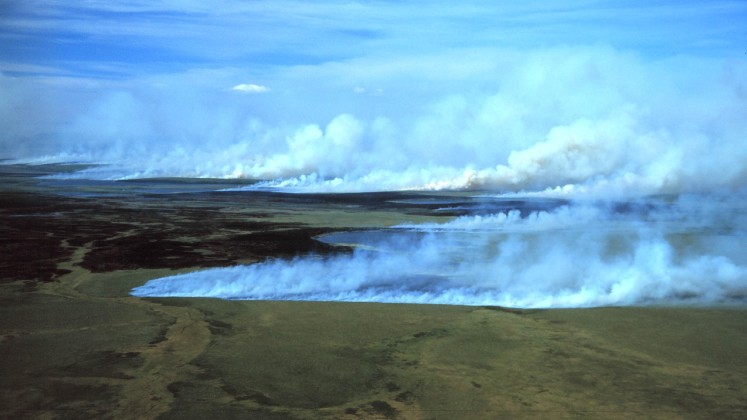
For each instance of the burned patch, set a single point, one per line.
(141, 251)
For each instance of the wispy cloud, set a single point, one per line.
(250, 88)
(168, 36)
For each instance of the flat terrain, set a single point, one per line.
(74, 344)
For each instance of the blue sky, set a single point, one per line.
(443, 92)
(111, 39)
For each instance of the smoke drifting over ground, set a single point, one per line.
(567, 121)
(572, 256)
(510, 99)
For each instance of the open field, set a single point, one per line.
(75, 344)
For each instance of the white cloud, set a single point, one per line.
(250, 88)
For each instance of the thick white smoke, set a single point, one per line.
(575, 121)
(573, 256)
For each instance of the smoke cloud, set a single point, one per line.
(374, 96)
(574, 121)
(572, 256)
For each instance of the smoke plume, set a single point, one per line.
(574, 121)
(572, 256)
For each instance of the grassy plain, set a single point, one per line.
(74, 344)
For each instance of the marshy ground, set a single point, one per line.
(74, 343)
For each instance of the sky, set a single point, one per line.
(571, 97)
